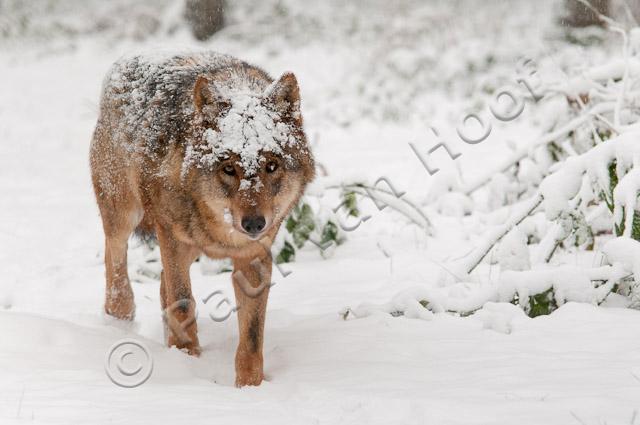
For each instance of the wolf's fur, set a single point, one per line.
(170, 132)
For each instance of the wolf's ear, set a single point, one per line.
(202, 95)
(205, 102)
(284, 94)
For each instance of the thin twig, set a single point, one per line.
(613, 24)
(368, 191)
(577, 418)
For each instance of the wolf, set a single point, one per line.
(207, 154)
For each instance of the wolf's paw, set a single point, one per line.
(248, 369)
(123, 310)
(191, 347)
(254, 379)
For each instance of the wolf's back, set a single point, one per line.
(148, 98)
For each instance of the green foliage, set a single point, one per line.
(300, 224)
(635, 225)
(287, 254)
(540, 304)
(582, 232)
(608, 198)
(604, 133)
(613, 182)
(330, 233)
(556, 152)
(306, 225)
(350, 203)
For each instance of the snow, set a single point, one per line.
(379, 332)
(513, 252)
(227, 216)
(625, 252)
(501, 317)
(376, 370)
(569, 283)
(248, 129)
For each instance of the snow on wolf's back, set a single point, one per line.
(152, 93)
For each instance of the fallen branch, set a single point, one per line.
(471, 261)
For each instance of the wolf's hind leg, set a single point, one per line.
(119, 301)
(121, 211)
(119, 221)
(119, 224)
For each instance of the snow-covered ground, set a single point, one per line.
(579, 365)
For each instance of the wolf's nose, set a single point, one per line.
(254, 224)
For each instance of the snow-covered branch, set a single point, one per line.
(384, 197)
(522, 211)
(525, 151)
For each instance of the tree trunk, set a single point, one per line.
(205, 17)
(579, 15)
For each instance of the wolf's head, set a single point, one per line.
(249, 152)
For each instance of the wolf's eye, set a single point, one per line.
(271, 166)
(229, 170)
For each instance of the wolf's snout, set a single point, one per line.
(253, 224)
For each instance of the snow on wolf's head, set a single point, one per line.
(249, 148)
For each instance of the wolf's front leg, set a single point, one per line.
(178, 303)
(251, 282)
